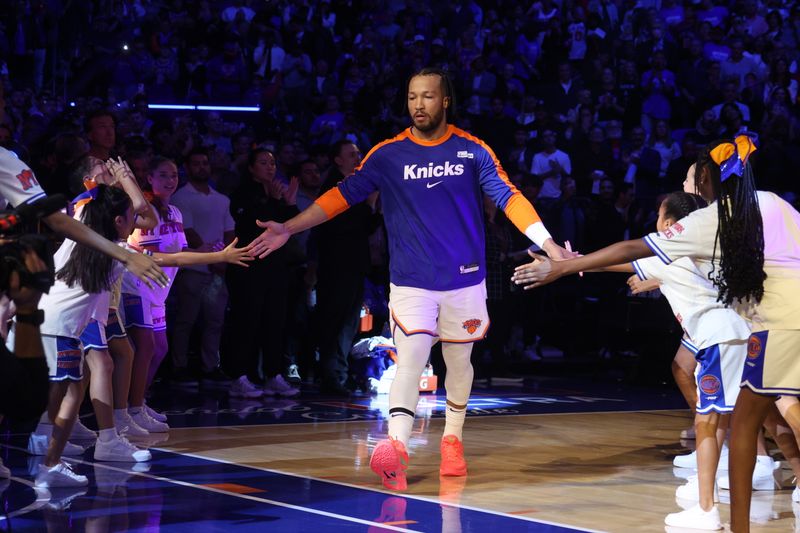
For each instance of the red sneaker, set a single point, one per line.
(390, 461)
(453, 463)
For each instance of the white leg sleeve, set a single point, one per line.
(412, 356)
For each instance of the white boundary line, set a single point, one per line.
(42, 497)
(215, 490)
(402, 495)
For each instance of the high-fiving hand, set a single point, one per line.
(274, 236)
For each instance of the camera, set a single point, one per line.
(13, 260)
(15, 242)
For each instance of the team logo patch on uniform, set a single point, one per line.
(471, 325)
(27, 179)
(709, 384)
(753, 347)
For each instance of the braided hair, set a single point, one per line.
(740, 234)
(679, 204)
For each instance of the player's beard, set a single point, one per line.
(432, 124)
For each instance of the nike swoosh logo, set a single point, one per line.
(432, 185)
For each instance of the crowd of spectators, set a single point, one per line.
(594, 107)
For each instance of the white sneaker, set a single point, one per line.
(148, 423)
(695, 518)
(763, 474)
(39, 442)
(81, 432)
(689, 460)
(5, 473)
(60, 475)
(684, 473)
(243, 388)
(277, 386)
(691, 490)
(293, 374)
(796, 495)
(686, 461)
(119, 449)
(155, 415)
(761, 507)
(127, 427)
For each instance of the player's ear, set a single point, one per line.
(446, 102)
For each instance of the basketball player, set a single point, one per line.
(431, 178)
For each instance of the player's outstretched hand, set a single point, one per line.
(556, 252)
(540, 271)
(237, 256)
(275, 235)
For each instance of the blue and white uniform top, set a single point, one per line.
(431, 192)
(69, 308)
(167, 237)
(18, 185)
(693, 299)
(694, 236)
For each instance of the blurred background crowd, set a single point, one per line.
(594, 107)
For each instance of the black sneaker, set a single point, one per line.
(293, 375)
(182, 377)
(216, 377)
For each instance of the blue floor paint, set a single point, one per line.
(155, 501)
(168, 498)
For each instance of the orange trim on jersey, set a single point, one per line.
(436, 142)
(399, 137)
(474, 339)
(412, 332)
(332, 202)
(518, 209)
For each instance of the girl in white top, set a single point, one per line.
(84, 279)
(144, 306)
(750, 243)
(718, 336)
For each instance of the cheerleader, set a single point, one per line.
(747, 242)
(84, 280)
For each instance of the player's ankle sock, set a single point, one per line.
(401, 420)
(454, 419)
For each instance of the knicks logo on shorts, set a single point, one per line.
(68, 359)
(753, 347)
(471, 325)
(709, 384)
(131, 299)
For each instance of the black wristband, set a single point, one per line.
(35, 319)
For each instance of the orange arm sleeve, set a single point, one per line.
(332, 202)
(520, 212)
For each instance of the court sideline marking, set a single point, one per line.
(226, 493)
(399, 494)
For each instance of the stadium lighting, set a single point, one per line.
(189, 107)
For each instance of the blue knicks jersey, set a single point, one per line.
(431, 192)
